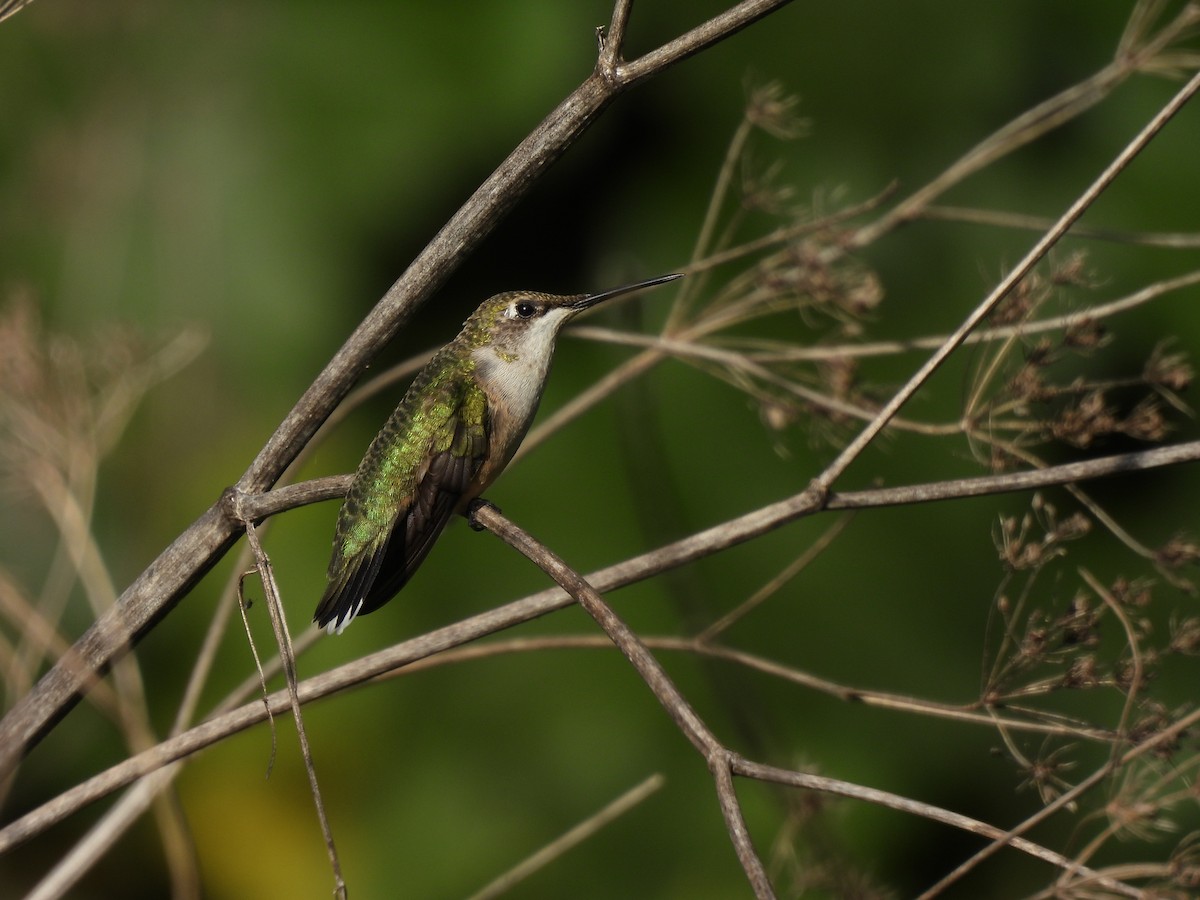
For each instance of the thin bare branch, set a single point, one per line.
(577, 835)
(1049, 642)
(756, 523)
(914, 807)
(361, 670)
(10, 8)
(612, 40)
(283, 640)
(1065, 800)
(1024, 221)
(1035, 122)
(699, 38)
(835, 469)
(652, 673)
(768, 590)
(91, 848)
(762, 353)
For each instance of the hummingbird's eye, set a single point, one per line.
(524, 310)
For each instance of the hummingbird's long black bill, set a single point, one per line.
(590, 300)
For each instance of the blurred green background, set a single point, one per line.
(263, 171)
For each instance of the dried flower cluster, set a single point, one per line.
(1061, 632)
(62, 398)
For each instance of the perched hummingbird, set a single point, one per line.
(459, 424)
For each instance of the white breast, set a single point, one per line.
(512, 383)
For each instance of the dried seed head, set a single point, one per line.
(1185, 863)
(1072, 272)
(1028, 385)
(1002, 460)
(1185, 637)
(1078, 623)
(1136, 594)
(1154, 720)
(864, 295)
(1146, 422)
(1080, 423)
(1169, 370)
(771, 109)
(1177, 552)
(1085, 334)
(839, 374)
(1083, 674)
(775, 415)
(1017, 304)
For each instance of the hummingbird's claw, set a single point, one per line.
(473, 507)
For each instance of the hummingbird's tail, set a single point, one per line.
(348, 590)
(365, 582)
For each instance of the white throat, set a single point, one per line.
(513, 373)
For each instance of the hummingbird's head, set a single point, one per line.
(527, 322)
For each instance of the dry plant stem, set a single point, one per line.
(751, 525)
(1002, 219)
(691, 289)
(252, 684)
(1031, 125)
(1136, 681)
(97, 842)
(284, 660)
(124, 814)
(867, 697)
(284, 641)
(956, 712)
(832, 786)
(1098, 513)
(572, 838)
(694, 352)
(761, 355)
(722, 762)
(71, 514)
(661, 347)
(1063, 801)
(182, 564)
(232, 596)
(212, 732)
(768, 590)
(656, 678)
(62, 575)
(9, 8)
(610, 42)
(684, 346)
(787, 233)
(1067, 799)
(380, 663)
(171, 750)
(879, 699)
(835, 469)
(117, 821)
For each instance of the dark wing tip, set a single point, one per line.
(336, 610)
(346, 593)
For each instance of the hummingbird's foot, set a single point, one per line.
(473, 507)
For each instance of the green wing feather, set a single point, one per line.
(414, 475)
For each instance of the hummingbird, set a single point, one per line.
(456, 428)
